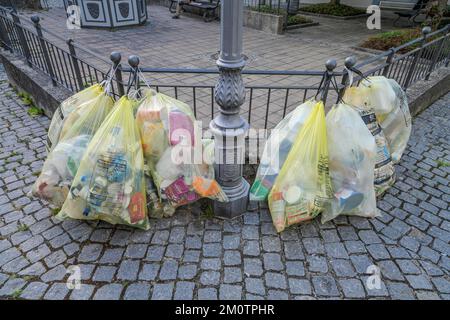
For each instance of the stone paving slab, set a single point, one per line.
(189, 42)
(190, 257)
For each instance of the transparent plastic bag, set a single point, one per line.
(63, 161)
(396, 123)
(174, 153)
(154, 206)
(380, 93)
(303, 187)
(352, 153)
(65, 109)
(110, 183)
(277, 149)
(384, 173)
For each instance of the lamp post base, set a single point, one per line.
(238, 201)
(229, 155)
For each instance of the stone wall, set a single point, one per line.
(38, 85)
(263, 21)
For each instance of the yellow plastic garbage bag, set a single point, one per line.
(359, 98)
(277, 148)
(110, 184)
(174, 153)
(352, 154)
(303, 187)
(63, 161)
(392, 113)
(381, 94)
(66, 108)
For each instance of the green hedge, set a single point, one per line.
(298, 19)
(386, 40)
(268, 9)
(333, 9)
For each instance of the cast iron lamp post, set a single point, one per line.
(228, 127)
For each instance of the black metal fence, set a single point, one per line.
(270, 94)
(268, 6)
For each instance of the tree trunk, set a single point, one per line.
(435, 12)
(33, 4)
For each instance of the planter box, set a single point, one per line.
(264, 21)
(302, 25)
(257, 20)
(359, 16)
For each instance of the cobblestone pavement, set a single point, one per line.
(191, 257)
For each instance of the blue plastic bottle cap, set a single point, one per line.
(349, 199)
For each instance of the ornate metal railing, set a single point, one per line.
(270, 94)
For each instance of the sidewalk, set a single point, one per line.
(191, 257)
(189, 42)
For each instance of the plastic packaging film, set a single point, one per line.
(65, 109)
(303, 186)
(359, 99)
(277, 149)
(110, 183)
(392, 113)
(352, 153)
(63, 161)
(171, 143)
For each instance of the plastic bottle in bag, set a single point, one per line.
(380, 94)
(65, 109)
(110, 183)
(170, 141)
(359, 99)
(303, 187)
(352, 153)
(155, 207)
(63, 161)
(277, 149)
(392, 113)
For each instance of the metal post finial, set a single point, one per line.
(350, 62)
(115, 57)
(35, 19)
(133, 61)
(44, 49)
(426, 30)
(75, 63)
(133, 81)
(331, 65)
(17, 25)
